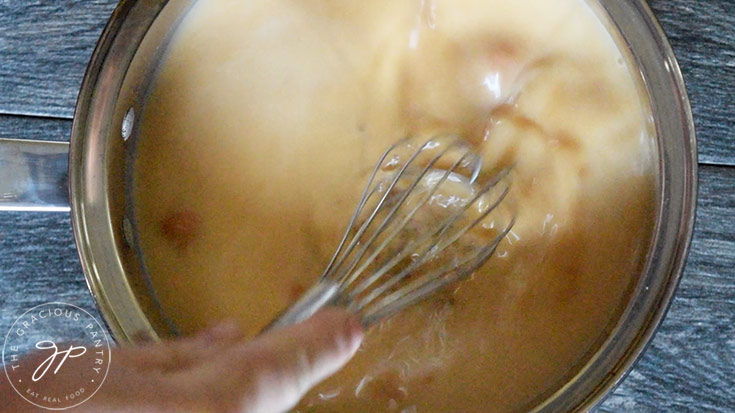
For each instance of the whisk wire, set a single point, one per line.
(406, 219)
(375, 210)
(439, 231)
(423, 287)
(366, 193)
(479, 219)
(386, 242)
(429, 251)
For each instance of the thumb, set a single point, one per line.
(279, 367)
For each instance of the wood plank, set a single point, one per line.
(45, 47)
(702, 34)
(30, 127)
(38, 264)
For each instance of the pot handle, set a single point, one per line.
(34, 175)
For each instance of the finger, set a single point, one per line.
(278, 368)
(223, 332)
(144, 378)
(182, 353)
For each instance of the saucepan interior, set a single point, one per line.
(104, 139)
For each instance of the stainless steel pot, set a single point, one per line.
(33, 176)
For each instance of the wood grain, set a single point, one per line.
(702, 33)
(38, 128)
(45, 47)
(38, 264)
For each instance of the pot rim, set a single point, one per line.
(94, 230)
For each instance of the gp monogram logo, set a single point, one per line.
(69, 359)
(48, 344)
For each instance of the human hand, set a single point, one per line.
(219, 371)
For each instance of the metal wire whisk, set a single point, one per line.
(423, 222)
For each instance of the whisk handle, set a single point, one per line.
(317, 297)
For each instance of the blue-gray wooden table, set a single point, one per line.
(690, 365)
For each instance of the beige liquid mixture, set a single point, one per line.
(263, 124)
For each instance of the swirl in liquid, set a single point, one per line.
(266, 117)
